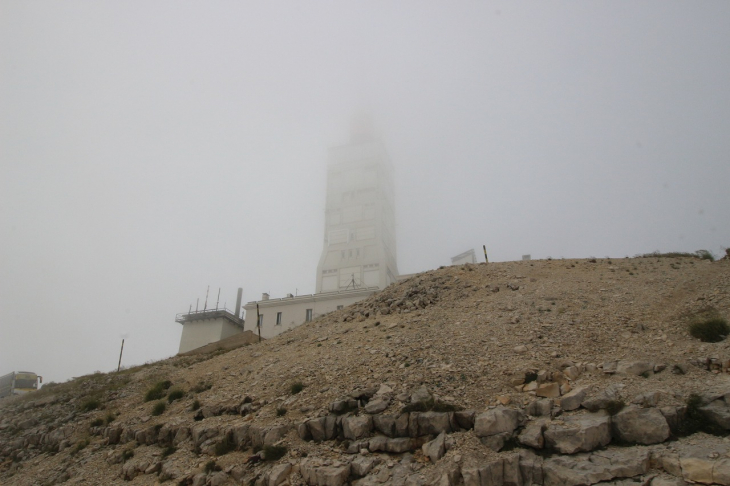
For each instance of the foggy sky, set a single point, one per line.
(150, 149)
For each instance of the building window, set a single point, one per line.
(339, 307)
(278, 318)
(261, 320)
(308, 318)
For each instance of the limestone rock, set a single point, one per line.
(356, 427)
(548, 390)
(497, 421)
(532, 434)
(573, 399)
(435, 449)
(580, 433)
(640, 425)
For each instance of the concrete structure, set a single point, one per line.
(359, 234)
(359, 254)
(279, 315)
(466, 257)
(209, 325)
(526, 257)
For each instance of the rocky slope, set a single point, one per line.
(535, 372)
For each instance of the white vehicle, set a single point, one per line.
(17, 383)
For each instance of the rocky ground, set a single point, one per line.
(534, 372)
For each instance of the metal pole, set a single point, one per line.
(219, 299)
(119, 366)
(258, 320)
(485, 253)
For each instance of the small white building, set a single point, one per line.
(278, 315)
(466, 257)
(209, 325)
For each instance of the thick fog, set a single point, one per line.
(149, 150)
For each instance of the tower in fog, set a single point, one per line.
(359, 235)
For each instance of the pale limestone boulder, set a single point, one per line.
(640, 425)
(357, 426)
(377, 405)
(433, 423)
(586, 469)
(634, 367)
(279, 473)
(718, 412)
(571, 372)
(385, 424)
(532, 434)
(580, 433)
(573, 399)
(499, 420)
(362, 465)
(540, 408)
(436, 448)
(697, 469)
(548, 390)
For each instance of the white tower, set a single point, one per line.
(359, 237)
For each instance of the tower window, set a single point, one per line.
(278, 318)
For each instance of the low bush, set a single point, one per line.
(614, 406)
(296, 387)
(710, 331)
(127, 455)
(195, 405)
(159, 408)
(280, 412)
(201, 387)
(158, 391)
(97, 422)
(696, 421)
(274, 452)
(168, 451)
(225, 446)
(90, 404)
(211, 466)
(175, 394)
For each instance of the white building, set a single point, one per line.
(201, 327)
(359, 253)
(467, 257)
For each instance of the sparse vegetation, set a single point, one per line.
(127, 454)
(430, 406)
(211, 466)
(614, 406)
(159, 408)
(274, 452)
(195, 406)
(80, 445)
(175, 394)
(98, 422)
(158, 391)
(90, 404)
(280, 412)
(696, 421)
(296, 387)
(201, 387)
(168, 451)
(710, 331)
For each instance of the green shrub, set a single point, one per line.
(274, 452)
(614, 406)
(710, 331)
(90, 404)
(211, 466)
(195, 405)
(159, 408)
(97, 422)
(80, 445)
(175, 394)
(297, 387)
(280, 412)
(158, 390)
(109, 418)
(201, 387)
(168, 451)
(705, 255)
(127, 455)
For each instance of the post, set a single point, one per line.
(485, 253)
(119, 366)
(258, 320)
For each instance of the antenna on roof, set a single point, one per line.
(219, 298)
(197, 301)
(206, 298)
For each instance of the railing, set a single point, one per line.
(219, 312)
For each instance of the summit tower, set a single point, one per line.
(359, 235)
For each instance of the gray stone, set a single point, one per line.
(580, 433)
(377, 405)
(540, 408)
(385, 424)
(420, 395)
(585, 469)
(433, 423)
(279, 473)
(717, 412)
(497, 421)
(435, 449)
(362, 465)
(640, 425)
(602, 399)
(531, 435)
(356, 427)
(496, 442)
(573, 399)
(634, 367)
